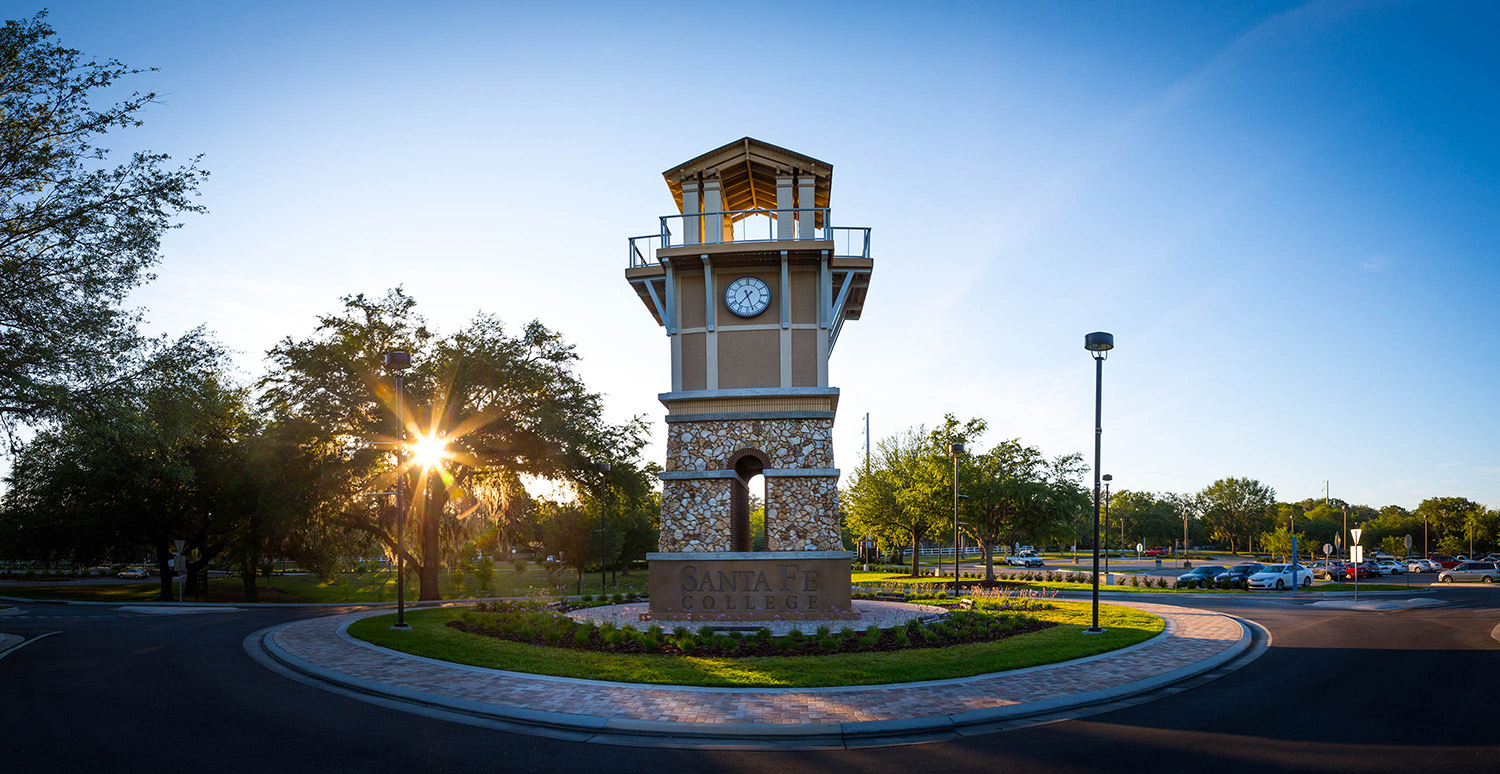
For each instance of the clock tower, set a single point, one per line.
(752, 284)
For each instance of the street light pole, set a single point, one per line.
(603, 535)
(955, 449)
(1098, 343)
(396, 362)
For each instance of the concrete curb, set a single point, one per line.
(622, 731)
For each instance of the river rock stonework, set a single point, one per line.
(786, 443)
(801, 510)
(695, 515)
(802, 513)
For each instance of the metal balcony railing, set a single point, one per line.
(759, 225)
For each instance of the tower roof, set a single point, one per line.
(747, 170)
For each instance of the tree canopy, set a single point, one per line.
(77, 233)
(500, 405)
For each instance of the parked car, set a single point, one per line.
(1281, 576)
(1391, 567)
(1362, 570)
(1200, 577)
(133, 573)
(1238, 576)
(1327, 569)
(1484, 572)
(1158, 551)
(1422, 565)
(1445, 562)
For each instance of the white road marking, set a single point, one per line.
(13, 649)
(164, 610)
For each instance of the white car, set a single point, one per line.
(1422, 565)
(1024, 559)
(1281, 576)
(1391, 567)
(134, 573)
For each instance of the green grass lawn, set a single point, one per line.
(345, 587)
(431, 638)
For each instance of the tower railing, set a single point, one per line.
(756, 225)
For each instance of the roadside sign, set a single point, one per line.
(1355, 533)
(1356, 554)
(180, 544)
(1139, 547)
(1327, 549)
(181, 564)
(1408, 542)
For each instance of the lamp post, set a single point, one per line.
(955, 449)
(1108, 478)
(1099, 344)
(603, 536)
(396, 362)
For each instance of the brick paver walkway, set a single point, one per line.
(1193, 636)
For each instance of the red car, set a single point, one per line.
(1157, 552)
(1363, 568)
(1446, 562)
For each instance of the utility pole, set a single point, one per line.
(867, 439)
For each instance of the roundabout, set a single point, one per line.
(321, 652)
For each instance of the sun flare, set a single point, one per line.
(429, 451)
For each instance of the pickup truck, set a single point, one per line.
(1024, 559)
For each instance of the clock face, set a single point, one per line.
(747, 296)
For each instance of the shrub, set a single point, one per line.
(581, 635)
(588, 597)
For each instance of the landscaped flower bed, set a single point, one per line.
(540, 625)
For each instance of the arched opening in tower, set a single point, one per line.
(748, 493)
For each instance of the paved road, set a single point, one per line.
(132, 691)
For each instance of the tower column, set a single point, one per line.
(786, 200)
(713, 229)
(691, 226)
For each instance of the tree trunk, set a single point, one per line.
(164, 570)
(247, 577)
(190, 583)
(989, 562)
(916, 555)
(428, 570)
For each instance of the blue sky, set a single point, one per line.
(1284, 212)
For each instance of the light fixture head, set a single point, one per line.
(955, 448)
(397, 361)
(604, 467)
(1099, 341)
(1108, 478)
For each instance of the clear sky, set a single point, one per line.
(1286, 213)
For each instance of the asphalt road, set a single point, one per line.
(1337, 691)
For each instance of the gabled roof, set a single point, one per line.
(747, 169)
